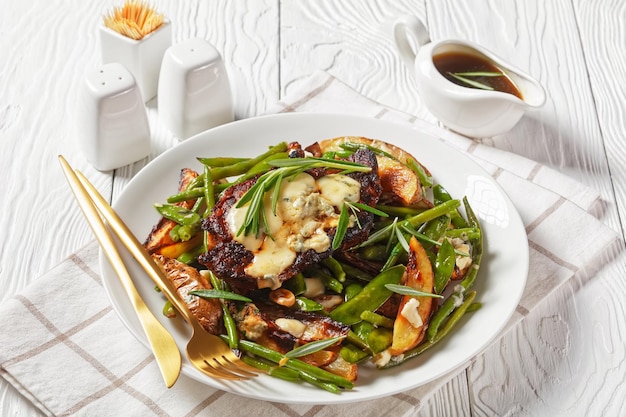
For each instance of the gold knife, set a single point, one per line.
(163, 345)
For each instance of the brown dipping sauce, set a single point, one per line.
(458, 62)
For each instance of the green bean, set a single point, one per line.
(477, 248)
(240, 168)
(474, 307)
(444, 265)
(440, 315)
(262, 166)
(298, 365)
(188, 194)
(209, 193)
(187, 231)
(465, 233)
(296, 284)
(335, 267)
(441, 195)
(313, 380)
(221, 161)
(433, 213)
(329, 281)
(174, 233)
(377, 319)
(191, 256)
(229, 323)
(425, 179)
(271, 368)
(371, 297)
(400, 211)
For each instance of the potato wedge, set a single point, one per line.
(419, 275)
(342, 368)
(400, 184)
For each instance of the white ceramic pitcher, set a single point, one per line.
(469, 111)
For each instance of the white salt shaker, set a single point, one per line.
(194, 90)
(113, 122)
(141, 57)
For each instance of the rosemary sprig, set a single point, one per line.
(405, 290)
(312, 347)
(286, 168)
(463, 77)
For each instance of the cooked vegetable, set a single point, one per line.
(393, 279)
(414, 313)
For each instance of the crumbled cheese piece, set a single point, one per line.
(292, 326)
(409, 312)
(314, 287)
(381, 359)
(458, 295)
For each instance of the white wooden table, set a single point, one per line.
(568, 357)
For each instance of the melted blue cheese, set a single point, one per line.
(305, 209)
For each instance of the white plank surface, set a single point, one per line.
(567, 358)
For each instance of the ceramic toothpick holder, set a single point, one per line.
(112, 120)
(194, 89)
(141, 57)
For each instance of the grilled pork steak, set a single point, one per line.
(230, 259)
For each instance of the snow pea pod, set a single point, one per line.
(371, 297)
(178, 214)
(441, 195)
(444, 265)
(352, 354)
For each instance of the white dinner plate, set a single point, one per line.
(499, 285)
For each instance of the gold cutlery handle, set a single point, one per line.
(163, 344)
(138, 251)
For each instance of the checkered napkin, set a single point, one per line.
(63, 347)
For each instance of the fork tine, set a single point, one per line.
(215, 372)
(229, 372)
(236, 366)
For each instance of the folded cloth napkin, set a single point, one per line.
(63, 347)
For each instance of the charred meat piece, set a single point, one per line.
(186, 279)
(233, 261)
(283, 328)
(401, 185)
(160, 235)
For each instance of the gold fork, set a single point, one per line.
(163, 344)
(207, 352)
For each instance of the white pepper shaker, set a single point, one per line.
(113, 122)
(194, 91)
